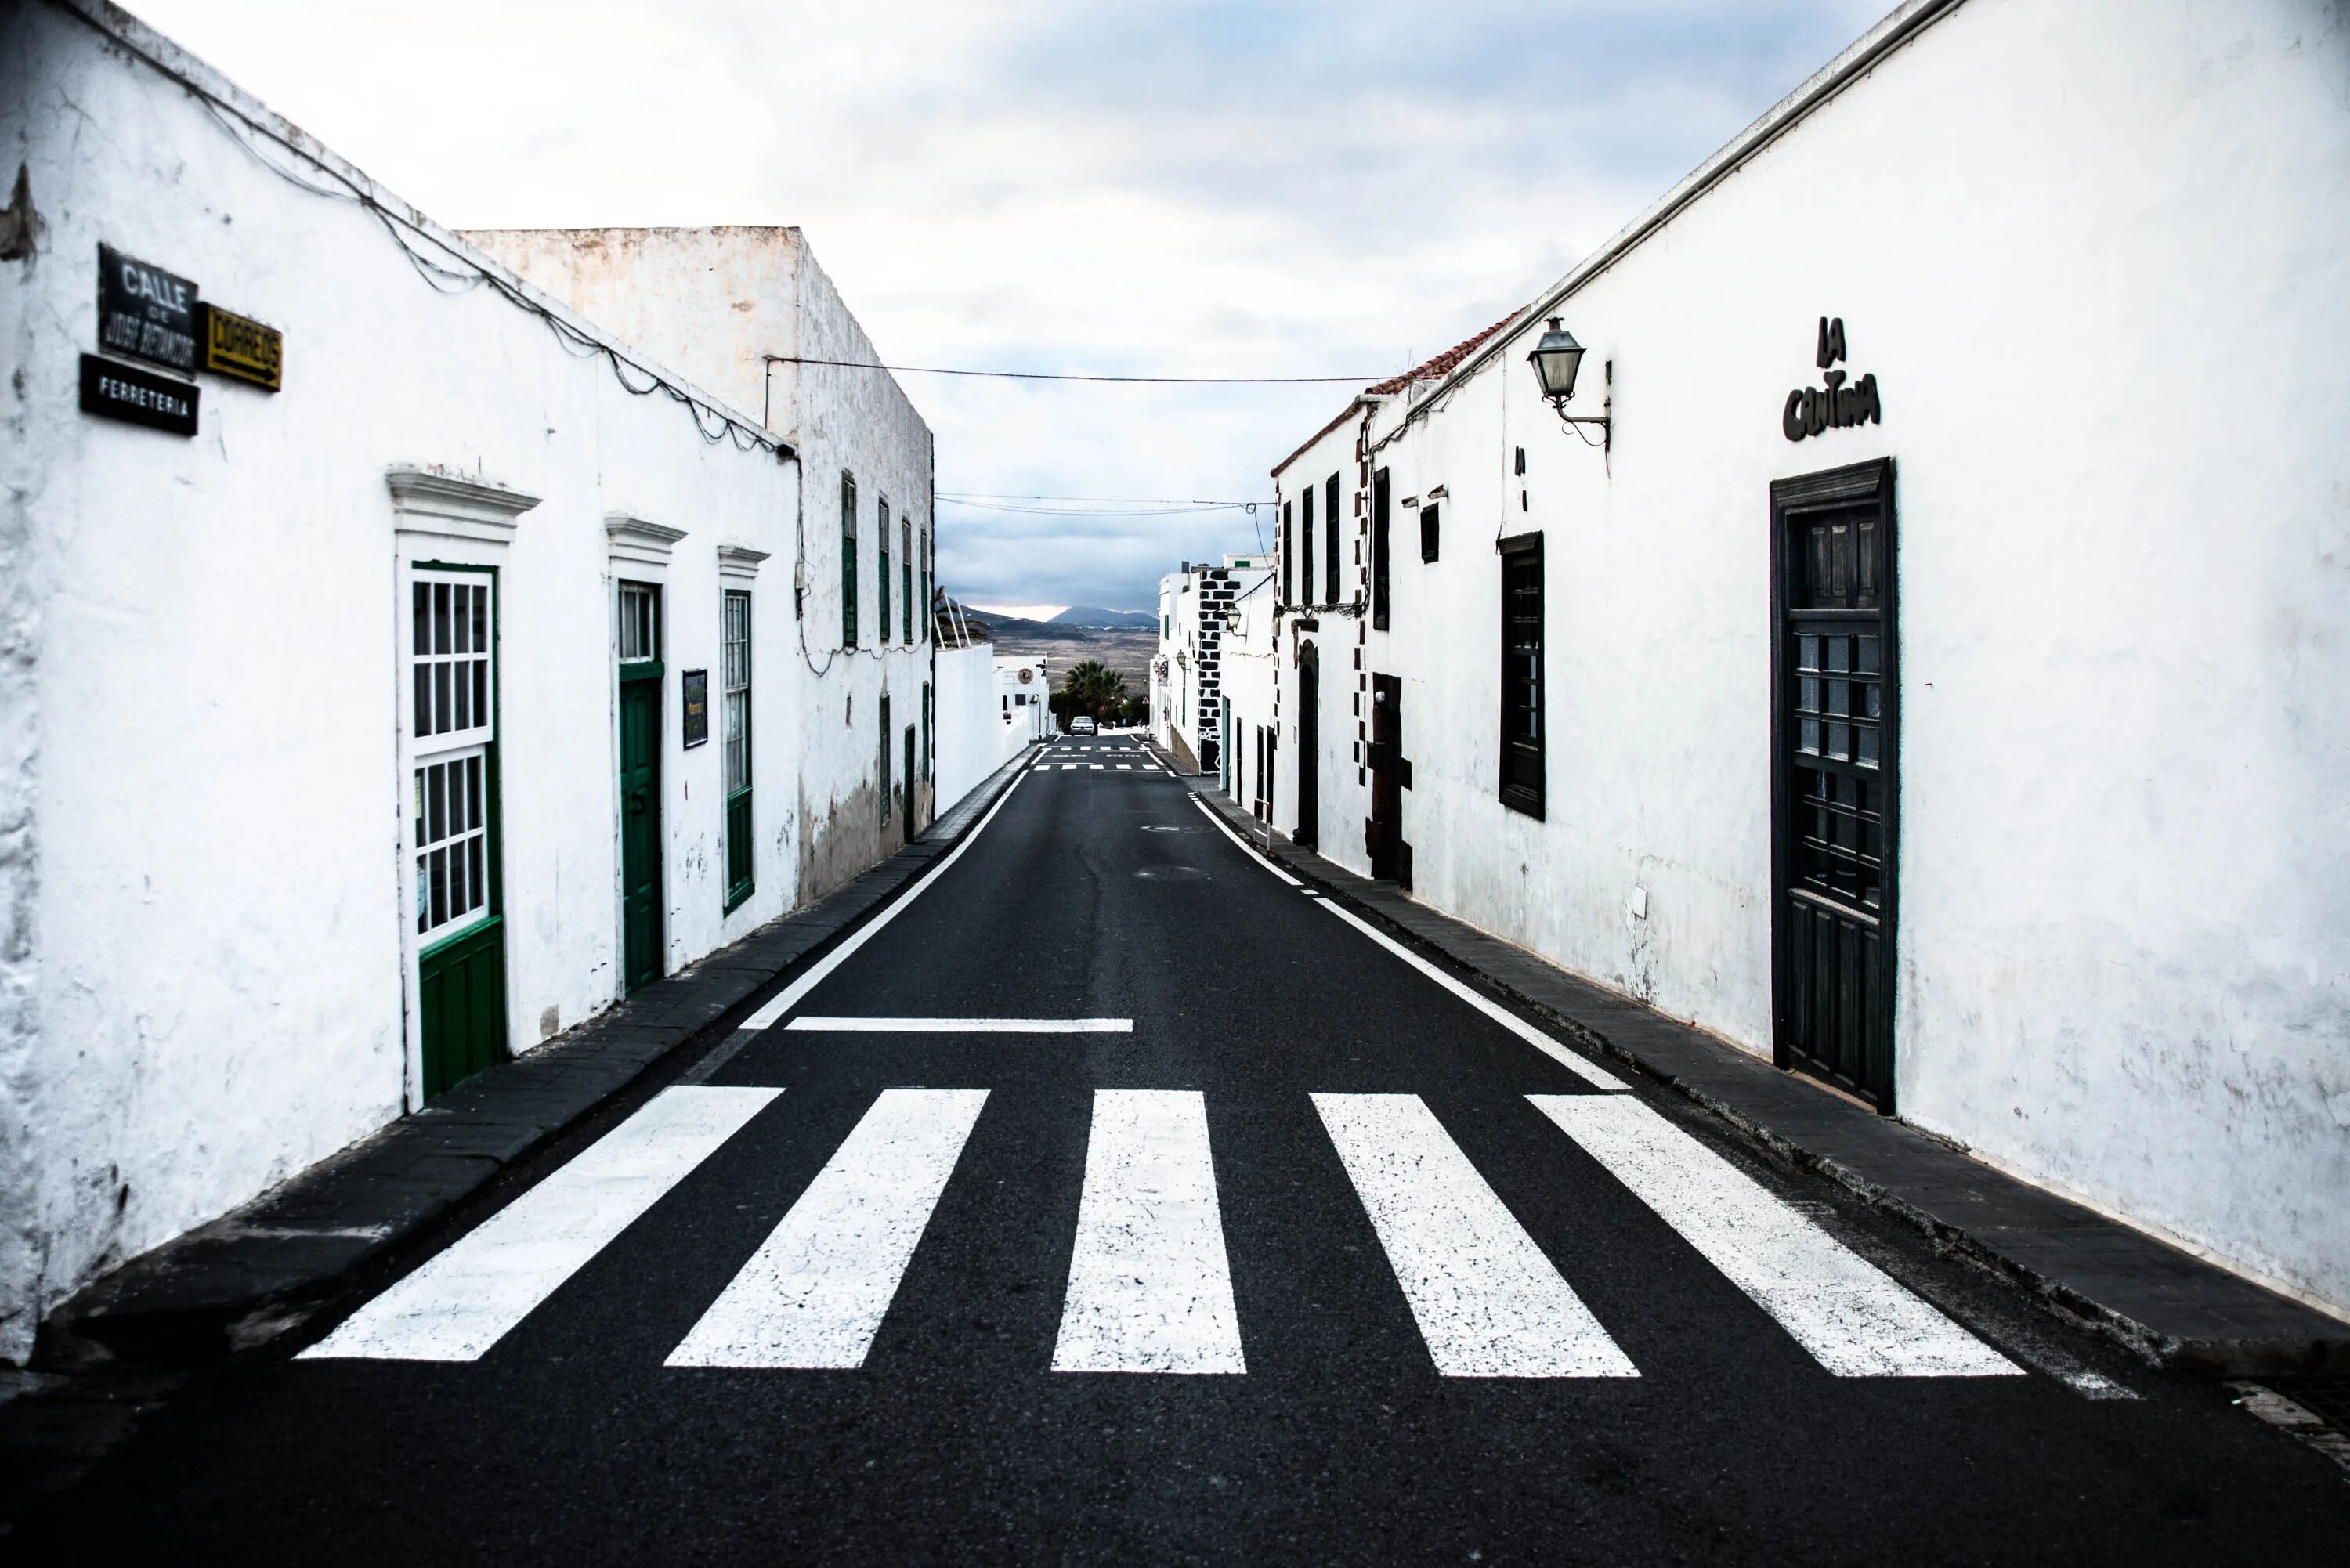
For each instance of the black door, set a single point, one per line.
(1834, 776)
(1383, 833)
(1309, 747)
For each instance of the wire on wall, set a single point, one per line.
(462, 278)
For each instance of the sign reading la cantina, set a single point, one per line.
(1836, 406)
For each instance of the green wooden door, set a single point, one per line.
(641, 836)
(462, 995)
(451, 758)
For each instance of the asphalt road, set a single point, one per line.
(1382, 1280)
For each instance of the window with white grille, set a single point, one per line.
(737, 691)
(451, 839)
(451, 725)
(639, 622)
(450, 652)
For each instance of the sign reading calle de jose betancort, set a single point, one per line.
(144, 312)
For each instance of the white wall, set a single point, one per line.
(2094, 252)
(1339, 633)
(717, 301)
(202, 985)
(971, 730)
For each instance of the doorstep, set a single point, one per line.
(2165, 1305)
(314, 1240)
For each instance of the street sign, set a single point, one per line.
(241, 349)
(117, 392)
(145, 312)
(697, 707)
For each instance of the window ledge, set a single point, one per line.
(637, 542)
(739, 563)
(427, 501)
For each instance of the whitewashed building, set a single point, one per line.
(397, 664)
(991, 707)
(1187, 713)
(1927, 668)
(736, 309)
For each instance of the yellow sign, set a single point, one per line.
(245, 350)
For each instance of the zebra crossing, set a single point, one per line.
(1150, 1287)
(1100, 757)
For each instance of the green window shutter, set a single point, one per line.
(883, 587)
(735, 717)
(848, 561)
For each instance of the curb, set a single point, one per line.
(265, 1268)
(2164, 1305)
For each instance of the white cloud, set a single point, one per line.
(1195, 188)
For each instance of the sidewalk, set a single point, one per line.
(268, 1267)
(2166, 1305)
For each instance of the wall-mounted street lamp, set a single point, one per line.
(1557, 360)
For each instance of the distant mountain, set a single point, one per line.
(1096, 617)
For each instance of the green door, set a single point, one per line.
(461, 993)
(907, 774)
(641, 836)
(452, 758)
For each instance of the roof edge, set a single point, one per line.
(1898, 26)
(159, 53)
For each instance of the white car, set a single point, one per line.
(1082, 724)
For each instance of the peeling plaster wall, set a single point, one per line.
(2097, 254)
(716, 302)
(200, 950)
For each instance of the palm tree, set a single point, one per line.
(1093, 687)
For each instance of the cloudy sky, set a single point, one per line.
(1180, 189)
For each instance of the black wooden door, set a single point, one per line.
(1309, 747)
(1836, 775)
(1383, 833)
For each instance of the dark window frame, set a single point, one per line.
(1381, 585)
(1305, 518)
(881, 532)
(848, 559)
(1431, 531)
(1288, 548)
(1518, 552)
(1333, 579)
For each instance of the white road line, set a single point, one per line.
(1150, 1287)
(1598, 1077)
(964, 1025)
(815, 1292)
(1095, 766)
(1225, 828)
(465, 1299)
(783, 1001)
(1855, 1321)
(1068, 767)
(1125, 767)
(1488, 1303)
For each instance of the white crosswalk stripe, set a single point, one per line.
(1488, 1303)
(1855, 1321)
(815, 1294)
(466, 1299)
(1150, 1287)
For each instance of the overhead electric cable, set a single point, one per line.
(1054, 376)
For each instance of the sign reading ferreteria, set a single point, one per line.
(144, 312)
(243, 349)
(120, 391)
(1835, 406)
(697, 707)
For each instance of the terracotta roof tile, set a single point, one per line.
(1443, 363)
